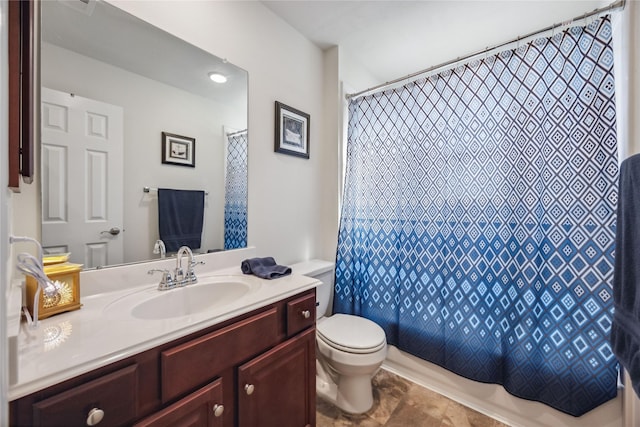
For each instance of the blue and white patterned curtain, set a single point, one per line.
(235, 197)
(478, 220)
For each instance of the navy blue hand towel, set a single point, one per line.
(625, 330)
(265, 268)
(180, 218)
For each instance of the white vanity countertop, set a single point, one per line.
(72, 343)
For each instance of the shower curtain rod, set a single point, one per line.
(618, 5)
(236, 132)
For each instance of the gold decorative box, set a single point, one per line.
(68, 296)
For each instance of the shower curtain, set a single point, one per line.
(235, 192)
(478, 218)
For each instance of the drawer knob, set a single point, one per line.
(218, 410)
(95, 416)
(249, 388)
(306, 314)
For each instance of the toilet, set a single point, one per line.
(349, 349)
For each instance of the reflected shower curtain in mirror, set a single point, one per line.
(235, 192)
(478, 219)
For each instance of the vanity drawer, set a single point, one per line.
(201, 408)
(301, 313)
(114, 394)
(194, 363)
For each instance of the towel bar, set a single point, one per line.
(149, 189)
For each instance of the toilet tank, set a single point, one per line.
(323, 271)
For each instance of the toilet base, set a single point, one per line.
(354, 395)
(326, 390)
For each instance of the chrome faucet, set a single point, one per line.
(180, 277)
(159, 248)
(188, 276)
(183, 278)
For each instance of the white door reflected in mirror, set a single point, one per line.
(82, 146)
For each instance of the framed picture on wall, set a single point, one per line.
(292, 131)
(178, 150)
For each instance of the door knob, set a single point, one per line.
(249, 388)
(114, 231)
(306, 314)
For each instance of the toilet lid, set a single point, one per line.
(353, 334)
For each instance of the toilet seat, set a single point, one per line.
(351, 334)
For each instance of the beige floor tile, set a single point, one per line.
(400, 403)
(326, 413)
(458, 415)
(407, 415)
(390, 384)
(362, 420)
(427, 401)
(388, 389)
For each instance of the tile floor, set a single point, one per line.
(400, 403)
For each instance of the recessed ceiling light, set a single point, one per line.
(217, 77)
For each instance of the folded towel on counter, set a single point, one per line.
(625, 330)
(265, 268)
(180, 218)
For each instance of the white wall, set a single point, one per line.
(151, 107)
(332, 159)
(287, 195)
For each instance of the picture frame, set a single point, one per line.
(178, 150)
(292, 131)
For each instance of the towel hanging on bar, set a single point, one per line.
(180, 218)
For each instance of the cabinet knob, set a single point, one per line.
(306, 314)
(249, 388)
(95, 416)
(218, 410)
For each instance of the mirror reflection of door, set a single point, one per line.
(82, 145)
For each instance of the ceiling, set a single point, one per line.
(389, 39)
(392, 39)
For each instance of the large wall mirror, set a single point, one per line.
(119, 98)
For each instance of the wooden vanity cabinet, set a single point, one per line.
(198, 380)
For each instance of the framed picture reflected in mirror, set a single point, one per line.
(178, 150)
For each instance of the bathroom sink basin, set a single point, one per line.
(151, 304)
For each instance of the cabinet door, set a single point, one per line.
(277, 389)
(201, 408)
